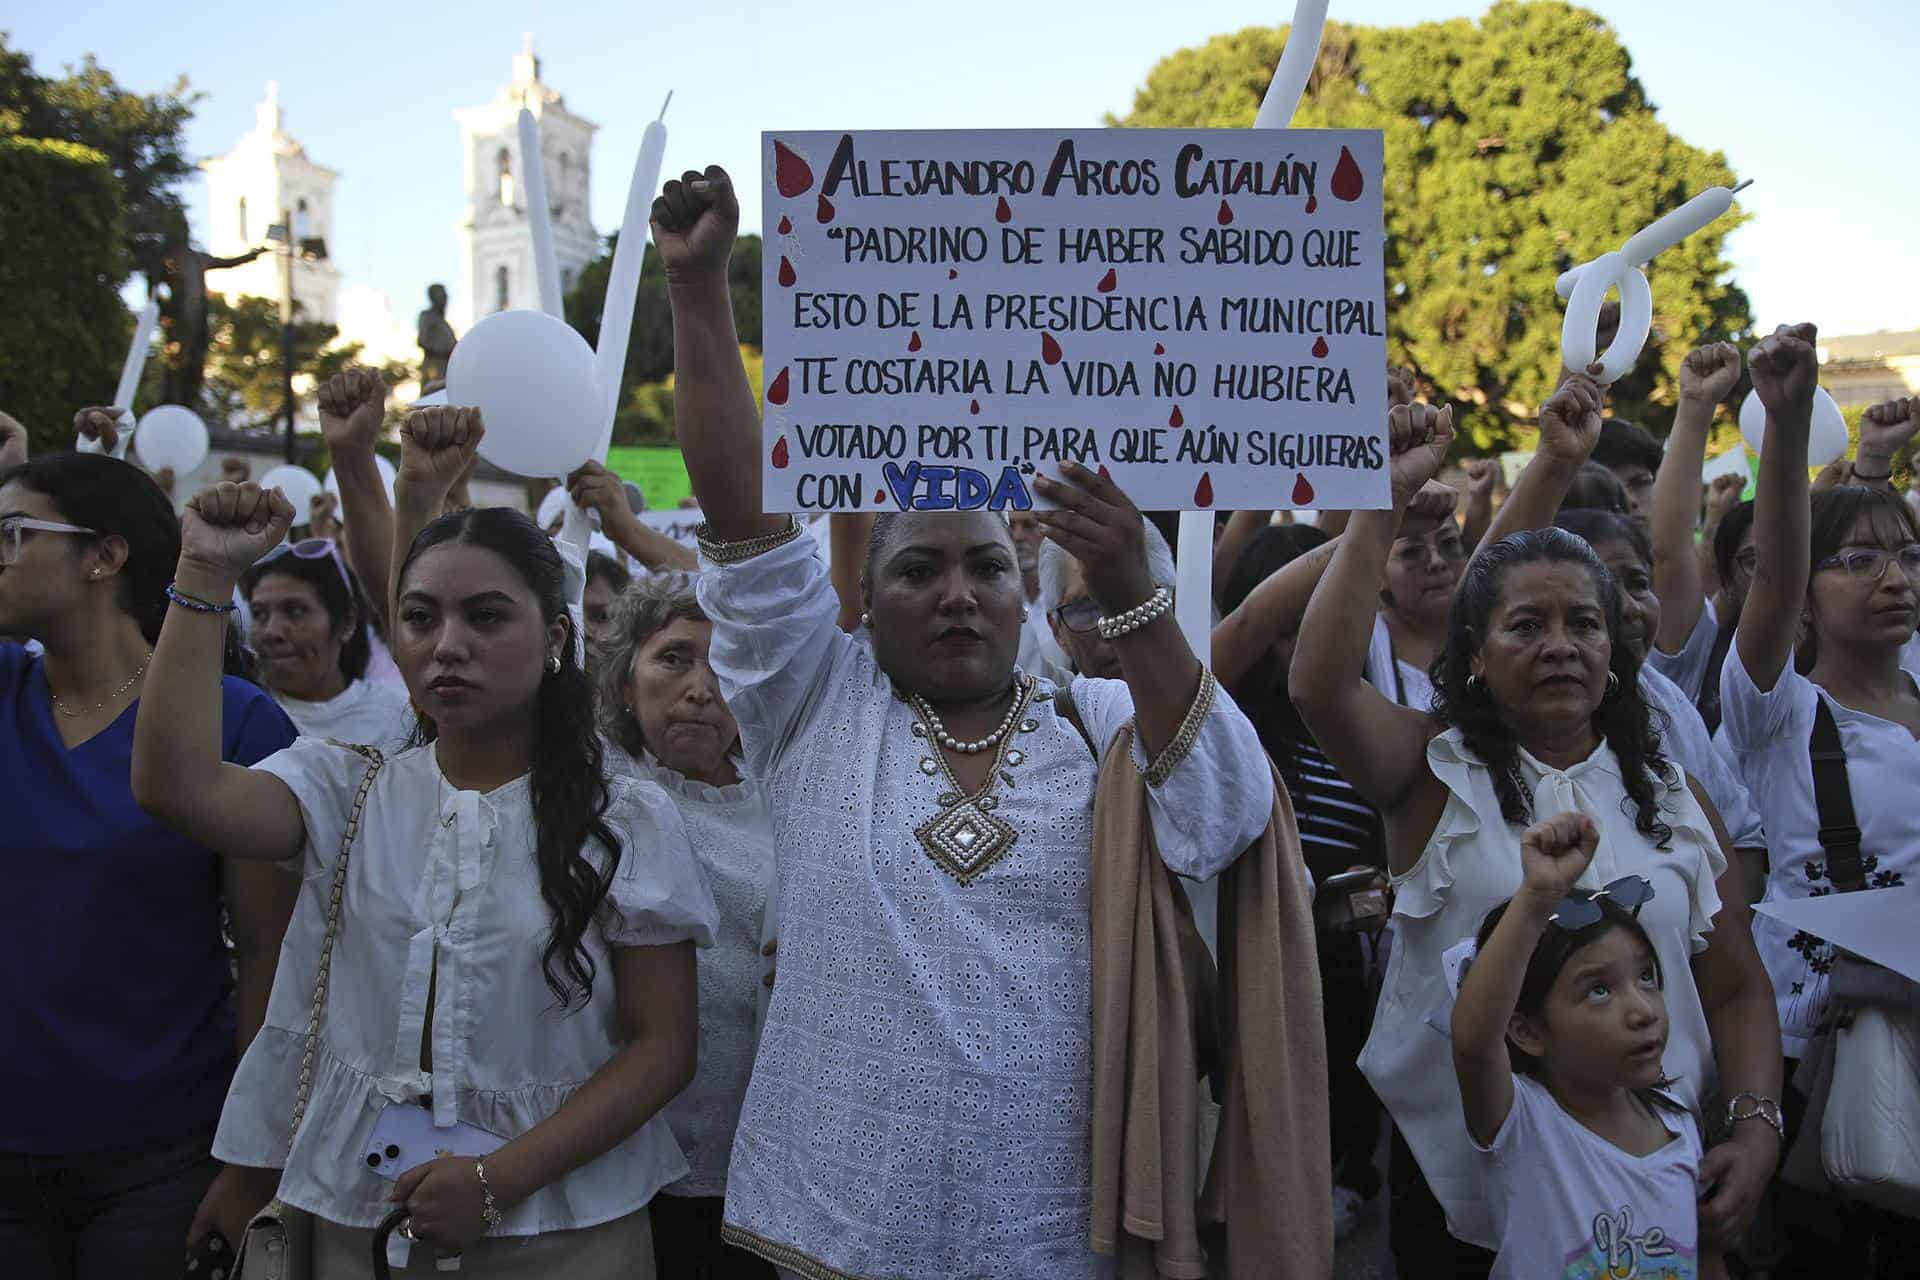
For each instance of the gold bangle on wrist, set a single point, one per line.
(746, 548)
(1182, 745)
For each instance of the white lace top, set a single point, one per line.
(920, 1106)
(442, 889)
(1470, 866)
(732, 836)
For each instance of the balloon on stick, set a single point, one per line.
(546, 268)
(297, 484)
(136, 362)
(1586, 286)
(532, 378)
(171, 436)
(623, 280)
(1296, 64)
(1826, 441)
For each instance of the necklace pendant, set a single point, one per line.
(966, 839)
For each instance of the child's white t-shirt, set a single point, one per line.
(1569, 1205)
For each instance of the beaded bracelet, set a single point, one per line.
(746, 548)
(196, 604)
(1759, 1109)
(1159, 770)
(1160, 602)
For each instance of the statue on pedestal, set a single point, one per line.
(436, 338)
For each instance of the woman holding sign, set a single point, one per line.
(922, 1103)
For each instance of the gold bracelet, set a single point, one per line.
(489, 1211)
(745, 549)
(1182, 745)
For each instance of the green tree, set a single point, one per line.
(650, 346)
(1516, 147)
(646, 416)
(243, 362)
(142, 137)
(63, 329)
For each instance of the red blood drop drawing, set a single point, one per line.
(1003, 212)
(1302, 490)
(1176, 418)
(777, 393)
(823, 212)
(1348, 182)
(913, 343)
(975, 406)
(787, 276)
(1108, 282)
(1320, 347)
(1049, 349)
(880, 497)
(780, 454)
(953, 273)
(786, 225)
(791, 174)
(1203, 492)
(1313, 203)
(1225, 215)
(1159, 348)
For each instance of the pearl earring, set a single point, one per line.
(1025, 613)
(866, 620)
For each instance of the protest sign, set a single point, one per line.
(1199, 312)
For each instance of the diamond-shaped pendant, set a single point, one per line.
(965, 840)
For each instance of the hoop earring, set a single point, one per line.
(1613, 684)
(1475, 684)
(553, 664)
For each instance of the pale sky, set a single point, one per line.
(1815, 102)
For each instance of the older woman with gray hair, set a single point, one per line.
(661, 710)
(1072, 613)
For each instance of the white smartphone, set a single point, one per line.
(404, 1136)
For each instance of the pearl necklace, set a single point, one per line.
(988, 743)
(102, 704)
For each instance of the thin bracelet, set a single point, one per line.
(196, 604)
(489, 1212)
(1858, 474)
(1759, 1109)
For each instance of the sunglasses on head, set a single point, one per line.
(1581, 908)
(312, 549)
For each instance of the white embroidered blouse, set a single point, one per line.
(1470, 866)
(442, 891)
(920, 1106)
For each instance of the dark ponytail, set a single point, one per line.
(569, 783)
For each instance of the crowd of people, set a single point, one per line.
(903, 897)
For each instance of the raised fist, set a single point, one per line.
(1417, 438)
(1786, 372)
(1710, 373)
(1402, 387)
(13, 443)
(1886, 427)
(352, 406)
(1481, 473)
(437, 445)
(1570, 420)
(694, 222)
(228, 527)
(1554, 854)
(1723, 495)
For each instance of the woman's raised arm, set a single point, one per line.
(1785, 374)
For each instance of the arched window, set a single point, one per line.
(243, 219)
(302, 221)
(503, 169)
(500, 288)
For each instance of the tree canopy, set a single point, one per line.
(1516, 147)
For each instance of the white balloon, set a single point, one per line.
(171, 435)
(298, 484)
(1825, 442)
(432, 398)
(532, 378)
(552, 507)
(380, 463)
(1580, 330)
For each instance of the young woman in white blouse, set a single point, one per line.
(1537, 710)
(1839, 577)
(661, 708)
(921, 1105)
(515, 949)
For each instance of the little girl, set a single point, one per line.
(1592, 1171)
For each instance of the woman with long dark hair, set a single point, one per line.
(310, 630)
(120, 1022)
(1838, 580)
(1537, 709)
(512, 972)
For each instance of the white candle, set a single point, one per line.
(1193, 583)
(1296, 64)
(136, 356)
(623, 280)
(546, 269)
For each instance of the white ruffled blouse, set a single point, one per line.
(919, 1109)
(442, 888)
(1470, 866)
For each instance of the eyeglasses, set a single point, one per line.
(1079, 616)
(1870, 563)
(1746, 560)
(14, 527)
(1581, 908)
(311, 549)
